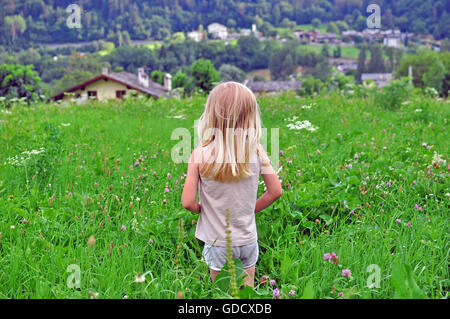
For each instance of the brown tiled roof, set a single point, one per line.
(271, 86)
(129, 79)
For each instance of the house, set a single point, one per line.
(218, 31)
(305, 36)
(197, 36)
(259, 87)
(245, 32)
(329, 38)
(394, 42)
(115, 85)
(381, 79)
(343, 65)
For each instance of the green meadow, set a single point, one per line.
(90, 201)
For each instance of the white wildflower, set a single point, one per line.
(140, 278)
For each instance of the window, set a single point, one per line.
(120, 94)
(92, 95)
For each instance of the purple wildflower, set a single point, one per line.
(346, 273)
(276, 293)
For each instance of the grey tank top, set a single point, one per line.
(239, 198)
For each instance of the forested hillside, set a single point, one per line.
(27, 22)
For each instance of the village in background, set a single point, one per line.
(302, 58)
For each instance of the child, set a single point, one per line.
(226, 167)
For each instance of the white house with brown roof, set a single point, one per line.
(115, 86)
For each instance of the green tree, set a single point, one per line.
(435, 75)
(204, 75)
(180, 79)
(376, 62)
(325, 52)
(342, 26)
(322, 70)
(281, 64)
(332, 28)
(16, 25)
(19, 81)
(316, 23)
(157, 76)
(229, 72)
(445, 45)
(361, 65)
(337, 52)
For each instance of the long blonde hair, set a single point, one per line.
(231, 124)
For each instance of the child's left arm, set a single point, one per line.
(189, 196)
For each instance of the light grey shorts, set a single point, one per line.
(216, 256)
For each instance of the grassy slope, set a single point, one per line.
(35, 255)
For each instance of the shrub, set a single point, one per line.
(392, 96)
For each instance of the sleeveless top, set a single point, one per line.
(239, 198)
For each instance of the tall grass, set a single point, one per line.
(104, 172)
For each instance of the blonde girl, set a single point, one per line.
(225, 169)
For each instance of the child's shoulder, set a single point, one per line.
(199, 154)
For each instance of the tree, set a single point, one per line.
(376, 62)
(316, 23)
(19, 81)
(445, 45)
(17, 25)
(325, 52)
(180, 79)
(281, 63)
(426, 69)
(435, 76)
(204, 75)
(332, 28)
(342, 26)
(157, 76)
(229, 72)
(322, 70)
(361, 63)
(337, 52)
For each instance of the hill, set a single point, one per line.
(26, 23)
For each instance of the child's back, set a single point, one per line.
(239, 198)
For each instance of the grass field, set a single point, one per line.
(94, 189)
(346, 52)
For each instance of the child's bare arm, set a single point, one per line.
(272, 193)
(189, 196)
(273, 185)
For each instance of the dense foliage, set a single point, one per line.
(27, 22)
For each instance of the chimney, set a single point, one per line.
(104, 71)
(167, 82)
(143, 78)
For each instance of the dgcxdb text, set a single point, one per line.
(226, 308)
